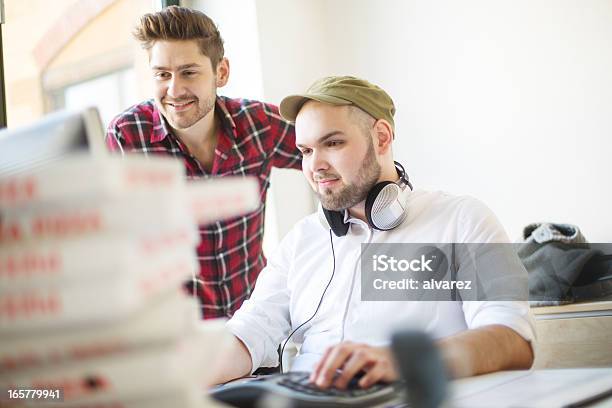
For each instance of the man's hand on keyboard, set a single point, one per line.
(344, 361)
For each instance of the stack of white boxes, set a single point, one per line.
(93, 256)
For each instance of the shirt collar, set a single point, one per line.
(225, 115)
(161, 128)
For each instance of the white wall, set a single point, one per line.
(508, 101)
(238, 27)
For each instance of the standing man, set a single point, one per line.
(213, 136)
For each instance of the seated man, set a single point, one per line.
(345, 129)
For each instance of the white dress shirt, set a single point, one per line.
(289, 289)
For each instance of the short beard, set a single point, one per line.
(203, 108)
(202, 111)
(354, 193)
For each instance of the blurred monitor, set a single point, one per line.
(51, 138)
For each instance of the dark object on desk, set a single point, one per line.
(421, 368)
(267, 370)
(295, 389)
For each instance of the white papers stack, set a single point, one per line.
(93, 254)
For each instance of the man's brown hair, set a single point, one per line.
(181, 23)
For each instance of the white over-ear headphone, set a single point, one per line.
(383, 207)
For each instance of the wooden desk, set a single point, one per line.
(574, 335)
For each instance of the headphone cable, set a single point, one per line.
(331, 240)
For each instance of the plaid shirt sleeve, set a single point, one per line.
(131, 130)
(284, 154)
(112, 139)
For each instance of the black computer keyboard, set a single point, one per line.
(295, 388)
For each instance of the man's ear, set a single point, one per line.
(223, 71)
(384, 136)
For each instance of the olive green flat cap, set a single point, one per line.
(342, 90)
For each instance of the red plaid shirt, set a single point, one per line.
(252, 139)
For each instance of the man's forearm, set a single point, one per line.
(484, 350)
(235, 362)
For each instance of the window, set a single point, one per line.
(71, 54)
(111, 93)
